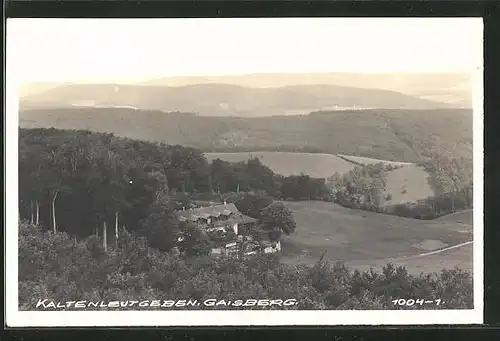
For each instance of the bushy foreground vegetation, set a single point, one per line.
(58, 267)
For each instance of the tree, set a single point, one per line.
(252, 205)
(260, 176)
(278, 216)
(161, 227)
(195, 241)
(449, 176)
(56, 175)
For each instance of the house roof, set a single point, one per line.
(247, 220)
(208, 212)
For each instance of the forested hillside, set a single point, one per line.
(227, 99)
(397, 135)
(83, 182)
(97, 214)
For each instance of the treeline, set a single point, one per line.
(58, 267)
(88, 183)
(363, 187)
(434, 207)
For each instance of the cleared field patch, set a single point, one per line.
(368, 161)
(408, 184)
(314, 165)
(364, 239)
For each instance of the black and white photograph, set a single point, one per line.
(250, 171)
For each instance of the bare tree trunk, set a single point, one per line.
(104, 237)
(210, 188)
(32, 220)
(37, 212)
(54, 212)
(116, 230)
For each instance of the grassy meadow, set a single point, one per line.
(365, 239)
(312, 164)
(406, 184)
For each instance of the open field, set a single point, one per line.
(408, 184)
(363, 239)
(314, 165)
(460, 257)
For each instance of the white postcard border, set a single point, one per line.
(16, 318)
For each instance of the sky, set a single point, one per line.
(131, 50)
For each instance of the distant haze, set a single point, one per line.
(135, 50)
(220, 66)
(453, 88)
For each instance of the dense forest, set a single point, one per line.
(86, 183)
(78, 188)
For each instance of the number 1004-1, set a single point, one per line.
(410, 302)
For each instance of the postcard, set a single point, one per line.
(240, 172)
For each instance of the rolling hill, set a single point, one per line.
(453, 88)
(227, 100)
(363, 239)
(394, 135)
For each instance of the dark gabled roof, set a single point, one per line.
(208, 212)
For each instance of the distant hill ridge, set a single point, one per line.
(453, 88)
(228, 99)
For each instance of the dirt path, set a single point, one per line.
(434, 252)
(427, 262)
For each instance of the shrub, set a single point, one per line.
(66, 268)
